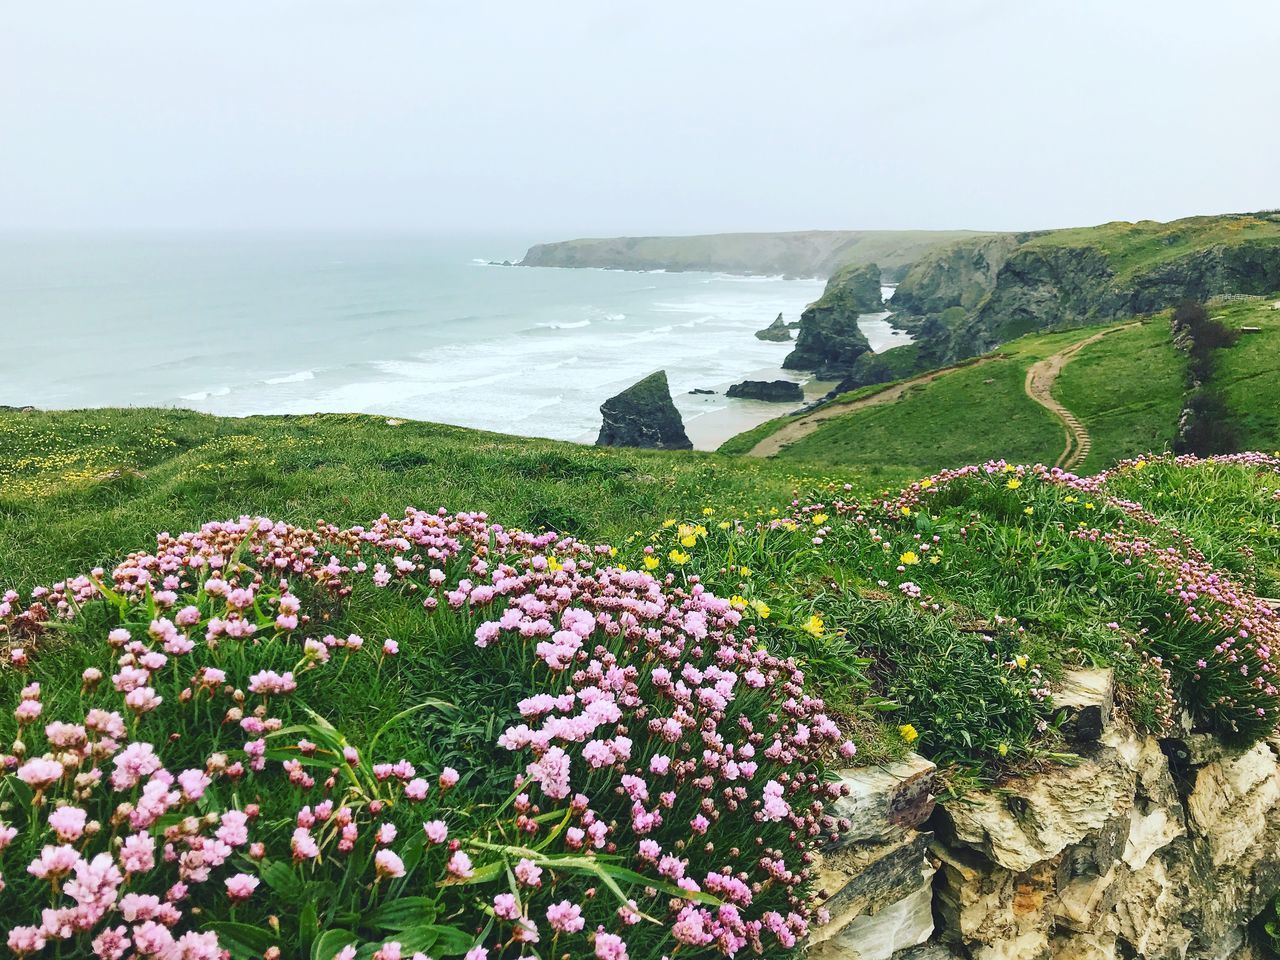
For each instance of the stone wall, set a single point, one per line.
(1161, 849)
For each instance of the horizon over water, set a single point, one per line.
(403, 326)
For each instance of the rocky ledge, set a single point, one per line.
(1144, 849)
(778, 331)
(643, 415)
(774, 391)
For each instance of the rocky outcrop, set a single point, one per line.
(829, 339)
(643, 415)
(778, 331)
(1140, 849)
(960, 274)
(774, 391)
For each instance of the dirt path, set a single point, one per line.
(804, 425)
(1041, 377)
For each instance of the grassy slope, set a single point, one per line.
(81, 487)
(957, 418)
(1127, 390)
(1248, 373)
(1133, 247)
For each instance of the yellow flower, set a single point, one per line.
(651, 562)
(1021, 661)
(1003, 749)
(814, 625)
(1014, 483)
(667, 524)
(1009, 468)
(926, 484)
(745, 571)
(678, 558)
(689, 541)
(935, 559)
(1028, 510)
(738, 602)
(1088, 506)
(1140, 465)
(1070, 499)
(761, 608)
(906, 511)
(724, 525)
(819, 519)
(554, 564)
(908, 733)
(708, 511)
(909, 558)
(685, 530)
(613, 551)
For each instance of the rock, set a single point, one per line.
(886, 800)
(1035, 818)
(776, 331)
(866, 878)
(1230, 803)
(993, 912)
(959, 274)
(774, 391)
(830, 339)
(1156, 819)
(701, 392)
(643, 415)
(879, 936)
(1086, 698)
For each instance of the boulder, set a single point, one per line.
(774, 391)
(886, 800)
(1086, 698)
(776, 331)
(643, 415)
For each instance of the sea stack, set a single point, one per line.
(774, 391)
(776, 331)
(643, 415)
(830, 339)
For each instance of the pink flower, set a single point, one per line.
(68, 823)
(448, 778)
(528, 873)
(610, 946)
(39, 773)
(506, 906)
(241, 886)
(387, 864)
(460, 865)
(437, 831)
(565, 917)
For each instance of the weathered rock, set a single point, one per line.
(887, 799)
(702, 392)
(774, 391)
(777, 331)
(1087, 698)
(865, 878)
(1036, 818)
(830, 339)
(1157, 818)
(643, 415)
(1231, 800)
(992, 911)
(957, 275)
(879, 936)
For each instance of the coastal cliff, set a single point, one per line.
(808, 253)
(830, 341)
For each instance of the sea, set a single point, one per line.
(403, 326)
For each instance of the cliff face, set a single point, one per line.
(958, 275)
(829, 340)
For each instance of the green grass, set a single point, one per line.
(1134, 247)
(1127, 389)
(1248, 373)
(79, 488)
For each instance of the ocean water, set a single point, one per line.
(403, 326)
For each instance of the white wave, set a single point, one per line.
(566, 326)
(206, 394)
(298, 377)
(615, 316)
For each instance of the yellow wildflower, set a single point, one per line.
(668, 523)
(761, 608)
(926, 484)
(1014, 483)
(1021, 661)
(708, 511)
(1009, 468)
(738, 602)
(651, 562)
(1003, 749)
(689, 541)
(814, 625)
(554, 564)
(1028, 510)
(724, 525)
(819, 519)
(1088, 506)
(678, 558)
(745, 571)
(906, 511)
(909, 559)
(908, 733)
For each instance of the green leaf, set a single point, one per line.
(308, 925)
(279, 876)
(404, 913)
(325, 946)
(450, 941)
(244, 942)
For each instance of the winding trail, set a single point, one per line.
(804, 425)
(1041, 377)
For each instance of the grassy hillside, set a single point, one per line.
(801, 253)
(1126, 389)
(299, 681)
(1248, 372)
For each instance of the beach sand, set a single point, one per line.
(728, 418)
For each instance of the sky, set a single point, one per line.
(588, 117)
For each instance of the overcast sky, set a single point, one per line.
(573, 117)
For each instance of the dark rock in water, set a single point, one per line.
(699, 390)
(775, 391)
(830, 339)
(643, 415)
(776, 331)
